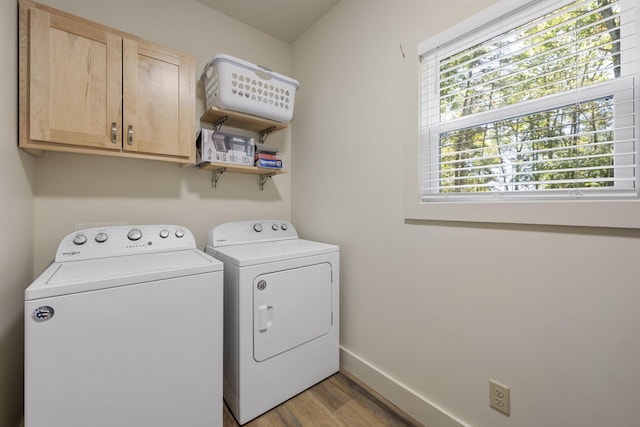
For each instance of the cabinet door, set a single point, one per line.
(158, 100)
(75, 81)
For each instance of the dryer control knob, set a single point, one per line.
(257, 227)
(164, 233)
(284, 226)
(101, 237)
(179, 233)
(80, 239)
(274, 227)
(134, 234)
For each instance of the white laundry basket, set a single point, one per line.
(233, 84)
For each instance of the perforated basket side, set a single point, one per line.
(248, 88)
(211, 84)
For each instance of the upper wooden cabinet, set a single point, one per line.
(87, 88)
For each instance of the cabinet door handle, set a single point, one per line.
(130, 135)
(114, 132)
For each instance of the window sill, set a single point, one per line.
(581, 213)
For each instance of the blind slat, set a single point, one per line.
(528, 162)
(525, 166)
(534, 183)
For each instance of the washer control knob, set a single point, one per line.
(164, 233)
(179, 233)
(80, 239)
(274, 227)
(134, 234)
(257, 227)
(284, 226)
(101, 237)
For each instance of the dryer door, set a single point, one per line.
(290, 308)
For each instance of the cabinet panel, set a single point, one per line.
(74, 82)
(157, 87)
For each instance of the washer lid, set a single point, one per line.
(62, 278)
(260, 253)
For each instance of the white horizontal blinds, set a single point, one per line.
(569, 48)
(566, 147)
(545, 106)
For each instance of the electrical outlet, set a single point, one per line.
(499, 398)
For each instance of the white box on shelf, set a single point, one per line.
(234, 84)
(224, 147)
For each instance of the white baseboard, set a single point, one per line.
(397, 393)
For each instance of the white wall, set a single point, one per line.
(17, 176)
(431, 310)
(73, 189)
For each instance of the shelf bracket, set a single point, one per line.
(263, 178)
(217, 125)
(265, 133)
(215, 176)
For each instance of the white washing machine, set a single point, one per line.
(281, 313)
(124, 329)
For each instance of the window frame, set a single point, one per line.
(577, 212)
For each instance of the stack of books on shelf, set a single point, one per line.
(267, 157)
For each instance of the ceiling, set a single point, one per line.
(282, 19)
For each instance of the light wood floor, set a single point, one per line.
(340, 400)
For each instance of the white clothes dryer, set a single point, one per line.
(124, 329)
(281, 313)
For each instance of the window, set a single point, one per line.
(539, 104)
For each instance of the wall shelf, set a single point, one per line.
(264, 127)
(217, 169)
(217, 117)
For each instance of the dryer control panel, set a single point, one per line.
(123, 240)
(243, 232)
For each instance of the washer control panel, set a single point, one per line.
(243, 232)
(123, 240)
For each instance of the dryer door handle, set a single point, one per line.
(266, 317)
